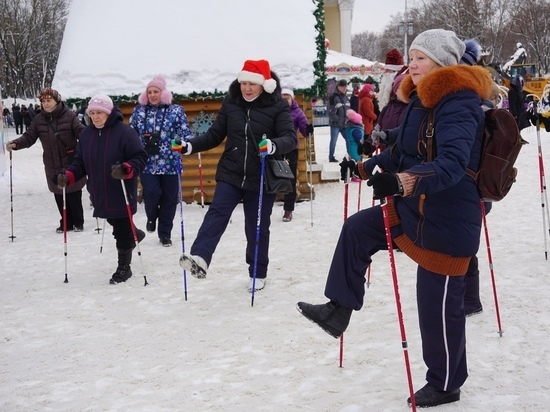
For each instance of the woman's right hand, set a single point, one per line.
(11, 146)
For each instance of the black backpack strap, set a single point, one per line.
(430, 131)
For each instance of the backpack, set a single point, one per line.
(500, 146)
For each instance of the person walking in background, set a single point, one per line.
(26, 116)
(158, 122)
(17, 118)
(58, 129)
(338, 104)
(300, 124)
(433, 208)
(366, 108)
(516, 104)
(354, 135)
(109, 151)
(257, 122)
(354, 99)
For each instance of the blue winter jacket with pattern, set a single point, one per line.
(171, 122)
(441, 212)
(97, 151)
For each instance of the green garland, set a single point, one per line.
(319, 86)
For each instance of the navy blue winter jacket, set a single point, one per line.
(97, 151)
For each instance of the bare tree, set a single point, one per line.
(30, 38)
(496, 24)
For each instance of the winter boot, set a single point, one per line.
(472, 303)
(123, 271)
(194, 264)
(331, 317)
(429, 396)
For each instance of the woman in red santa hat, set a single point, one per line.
(257, 122)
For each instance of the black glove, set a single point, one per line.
(120, 171)
(61, 180)
(384, 184)
(365, 147)
(345, 165)
(309, 129)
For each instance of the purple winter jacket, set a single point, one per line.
(299, 119)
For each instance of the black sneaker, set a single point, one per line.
(60, 229)
(79, 228)
(151, 226)
(429, 396)
(331, 317)
(333, 160)
(165, 242)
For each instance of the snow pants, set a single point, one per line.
(75, 212)
(160, 196)
(290, 198)
(226, 197)
(440, 298)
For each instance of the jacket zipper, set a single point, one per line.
(245, 146)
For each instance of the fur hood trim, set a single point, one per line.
(446, 80)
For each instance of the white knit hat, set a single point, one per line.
(287, 90)
(442, 46)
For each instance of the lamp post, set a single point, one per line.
(405, 29)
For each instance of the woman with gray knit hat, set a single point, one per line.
(58, 129)
(433, 207)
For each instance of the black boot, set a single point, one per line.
(123, 271)
(331, 317)
(430, 396)
(472, 303)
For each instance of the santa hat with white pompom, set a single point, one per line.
(258, 72)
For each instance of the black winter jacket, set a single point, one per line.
(245, 124)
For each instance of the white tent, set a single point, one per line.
(343, 66)
(116, 47)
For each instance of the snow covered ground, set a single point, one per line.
(90, 346)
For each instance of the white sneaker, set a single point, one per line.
(194, 264)
(259, 285)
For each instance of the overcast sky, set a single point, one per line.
(373, 16)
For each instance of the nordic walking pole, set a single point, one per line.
(404, 344)
(543, 194)
(134, 232)
(65, 233)
(102, 236)
(372, 205)
(201, 184)
(346, 198)
(490, 258)
(180, 168)
(97, 228)
(11, 196)
(258, 225)
(310, 176)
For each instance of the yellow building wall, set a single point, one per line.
(332, 28)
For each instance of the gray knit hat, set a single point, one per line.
(442, 46)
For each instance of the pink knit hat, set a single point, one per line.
(160, 83)
(100, 102)
(354, 116)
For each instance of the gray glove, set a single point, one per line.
(62, 180)
(378, 136)
(11, 146)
